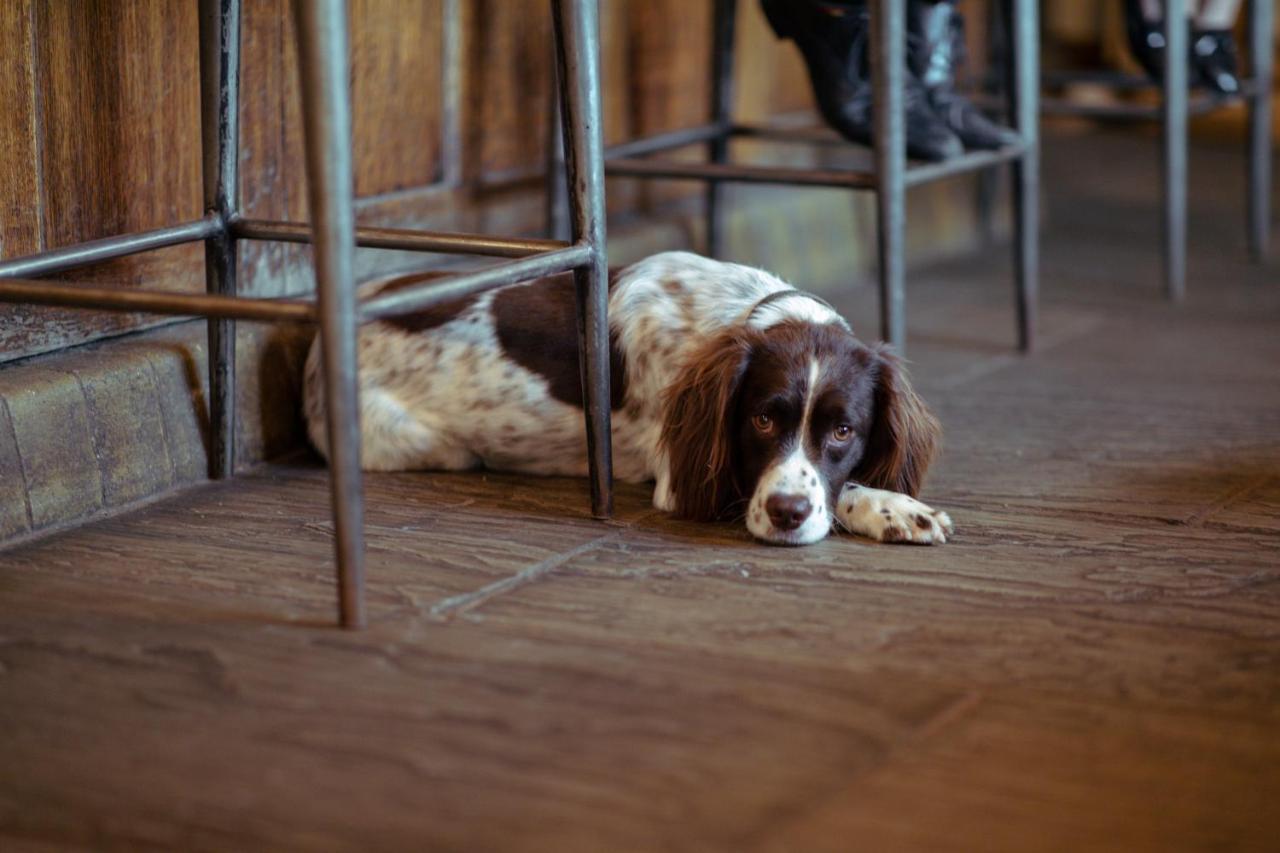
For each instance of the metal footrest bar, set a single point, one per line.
(810, 135)
(667, 141)
(21, 291)
(731, 173)
(923, 173)
(110, 248)
(1199, 104)
(917, 174)
(439, 291)
(404, 239)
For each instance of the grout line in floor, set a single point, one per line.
(1204, 513)
(458, 604)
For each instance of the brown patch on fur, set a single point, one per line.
(430, 318)
(696, 433)
(537, 327)
(904, 435)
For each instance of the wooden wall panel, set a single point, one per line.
(509, 84)
(117, 149)
(669, 68)
(120, 129)
(397, 56)
(19, 158)
(272, 176)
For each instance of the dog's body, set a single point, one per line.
(738, 394)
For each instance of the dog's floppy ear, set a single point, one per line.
(904, 434)
(697, 435)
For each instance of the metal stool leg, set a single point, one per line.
(578, 58)
(1175, 148)
(557, 198)
(220, 122)
(888, 72)
(1260, 28)
(1025, 87)
(722, 26)
(326, 112)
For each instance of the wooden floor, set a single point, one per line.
(1092, 663)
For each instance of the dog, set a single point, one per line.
(739, 395)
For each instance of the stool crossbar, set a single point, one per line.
(324, 59)
(892, 174)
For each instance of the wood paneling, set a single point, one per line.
(117, 149)
(19, 182)
(272, 179)
(668, 74)
(119, 90)
(397, 56)
(509, 86)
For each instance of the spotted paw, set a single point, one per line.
(891, 517)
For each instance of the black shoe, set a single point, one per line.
(1146, 40)
(1213, 56)
(1211, 60)
(833, 38)
(935, 42)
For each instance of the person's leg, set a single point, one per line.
(935, 32)
(834, 38)
(1213, 49)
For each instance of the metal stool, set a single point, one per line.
(892, 175)
(326, 109)
(1177, 105)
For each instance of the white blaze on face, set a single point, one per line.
(793, 476)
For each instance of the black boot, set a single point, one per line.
(833, 38)
(935, 50)
(1212, 56)
(1146, 40)
(1213, 59)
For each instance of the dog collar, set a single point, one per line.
(779, 295)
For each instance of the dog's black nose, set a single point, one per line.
(787, 512)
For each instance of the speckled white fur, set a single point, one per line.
(891, 516)
(448, 398)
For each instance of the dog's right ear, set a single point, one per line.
(697, 433)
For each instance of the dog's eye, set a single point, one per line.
(842, 432)
(763, 423)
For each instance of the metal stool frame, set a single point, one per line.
(892, 175)
(324, 62)
(1177, 106)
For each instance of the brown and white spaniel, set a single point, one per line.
(740, 395)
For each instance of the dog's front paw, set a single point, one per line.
(891, 516)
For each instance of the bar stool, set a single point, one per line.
(1175, 109)
(324, 59)
(892, 174)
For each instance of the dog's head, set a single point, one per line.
(768, 424)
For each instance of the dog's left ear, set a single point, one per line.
(904, 433)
